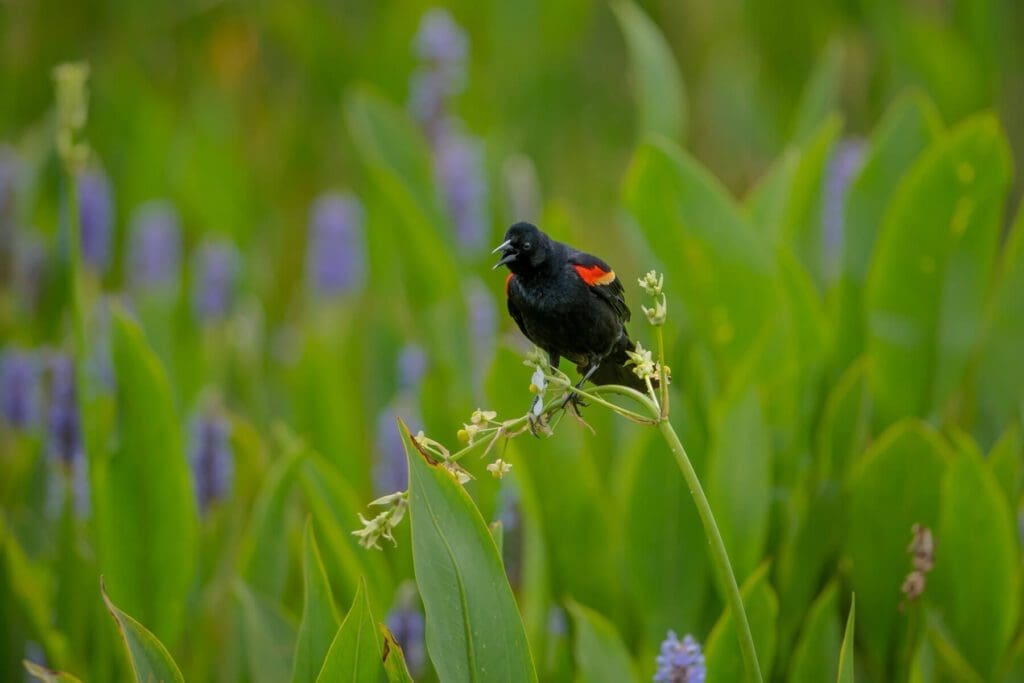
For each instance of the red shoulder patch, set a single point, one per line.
(508, 281)
(595, 275)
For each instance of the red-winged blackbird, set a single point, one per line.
(568, 303)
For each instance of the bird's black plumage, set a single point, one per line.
(569, 303)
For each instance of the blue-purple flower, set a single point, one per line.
(96, 218)
(483, 329)
(29, 269)
(412, 365)
(680, 661)
(216, 270)
(19, 388)
(211, 459)
(842, 168)
(389, 468)
(155, 245)
(335, 257)
(459, 169)
(65, 429)
(406, 623)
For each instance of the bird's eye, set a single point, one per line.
(527, 246)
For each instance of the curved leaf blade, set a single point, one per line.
(817, 651)
(846, 650)
(48, 675)
(150, 660)
(355, 654)
(600, 655)
(319, 617)
(722, 653)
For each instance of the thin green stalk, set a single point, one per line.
(718, 553)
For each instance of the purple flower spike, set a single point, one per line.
(211, 459)
(216, 268)
(407, 624)
(335, 256)
(155, 248)
(441, 42)
(96, 218)
(19, 389)
(412, 365)
(680, 662)
(64, 423)
(841, 170)
(459, 168)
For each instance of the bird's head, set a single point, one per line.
(525, 248)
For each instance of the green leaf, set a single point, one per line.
(932, 267)
(319, 617)
(473, 628)
(145, 511)
(721, 267)
(355, 654)
(845, 425)
(950, 661)
(149, 659)
(722, 653)
(739, 479)
(1000, 373)
(600, 654)
(48, 675)
(268, 638)
(895, 486)
(816, 655)
(907, 129)
(660, 94)
(974, 524)
(1006, 463)
(394, 659)
(821, 94)
(846, 651)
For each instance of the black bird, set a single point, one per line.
(568, 303)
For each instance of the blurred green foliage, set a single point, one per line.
(830, 189)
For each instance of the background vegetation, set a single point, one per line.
(285, 226)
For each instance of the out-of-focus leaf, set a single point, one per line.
(600, 654)
(1000, 384)
(932, 267)
(355, 654)
(722, 654)
(265, 553)
(821, 94)
(721, 267)
(1006, 463)
(268, 637)
(846, 651)
(949, 660)
(320, 621)
(660, 93)
(895, 486)
(907, 129)
(473, 626)
(739, 479)
(49, 675)
(394, 659)
(145, 510)
(150, 660)
(975, 523)
(816, 657)
(845, 425)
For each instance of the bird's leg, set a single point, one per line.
(553, 360)
(573, 397)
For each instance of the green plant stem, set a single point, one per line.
(718, 553)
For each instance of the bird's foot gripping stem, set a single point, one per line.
(536, 419)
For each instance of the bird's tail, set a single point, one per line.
(613, 369)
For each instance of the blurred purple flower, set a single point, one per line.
(211, 459)
(96, 218)
(459, 169)
(441, 43)
(19, 389)
(412, 365)
(483, 329)
(216, 269)
(842, 167)
(390, 473)
(406, 624)
(680, 662)
(64, 423)
(155, 246)
(335, 257)
(510, 516)
(428, 103)
(29, 269)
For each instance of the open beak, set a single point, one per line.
(507, 253)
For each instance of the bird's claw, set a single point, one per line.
(575, 400)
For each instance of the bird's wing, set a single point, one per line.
(513, 310)
(602, 280)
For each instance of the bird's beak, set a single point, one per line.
(507, 253)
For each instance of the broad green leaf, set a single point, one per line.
(600, 654)
(949, 660)
(145, 511)
(660, 94)
(907, 129)
(355, 654)
(268, 638)
(931, 269)
(845, 425)
(149, 659)
(739, 479)
(319, 617)
(821, 94)
(723, 270)
(722, 654)
(974, 524)
(48, 675)
(394, 659)
(1000, 383)
(473, 628)
(895, 486)
(816, 655)
(1006, 463)
(846, 651)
